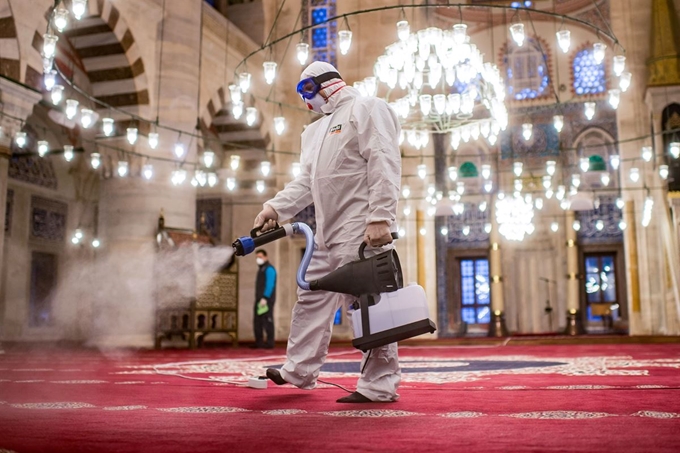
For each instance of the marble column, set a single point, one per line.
(17, 101)
(574, 318)
(497, 327)
(125, 301)
(420, 248)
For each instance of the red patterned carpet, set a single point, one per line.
(462, 398)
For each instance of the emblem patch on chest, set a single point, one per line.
(335, 129)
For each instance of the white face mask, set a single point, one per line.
(316, 103)
(259, 261)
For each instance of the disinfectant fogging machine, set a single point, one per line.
(385, 311)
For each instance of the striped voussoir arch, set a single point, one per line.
(10, 65)
(235, 133)
(110, 58)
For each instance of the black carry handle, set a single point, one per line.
(363, 245)
(268, 236)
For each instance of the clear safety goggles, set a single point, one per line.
(310, 87)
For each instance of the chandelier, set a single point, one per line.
(437, 79)
(514, 216)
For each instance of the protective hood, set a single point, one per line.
(328, 88)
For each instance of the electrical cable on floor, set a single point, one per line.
(337, 385)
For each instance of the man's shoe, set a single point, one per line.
(255, 346)
(269, 346)
(355, 397)
(275, 376)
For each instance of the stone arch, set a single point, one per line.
(107, 53)
(239, 138)
(10, 61)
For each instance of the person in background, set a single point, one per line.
(265, 297)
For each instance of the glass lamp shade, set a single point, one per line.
(269, 71)
(564, 40)
(302, 52)
(344, 41)
(517, 33)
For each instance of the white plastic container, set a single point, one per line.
(395, 309)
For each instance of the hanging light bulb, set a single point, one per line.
(237, 109)
(132, 134)
(57, 94)
(259, 186)
(564, 40)
(95, 160)
(453, 173)
(208, 158)
(518, 185)
(244, 81)
(663, 171)
(576, 180)
(231, 184)
(153, 140)
(614, 161)
(517, 168)
(604, 179)
(20, 139)
(538, 202)
(459, 33)
(624, 81)
(178, 177)
(431, 189)
(487, 227)
(527, 129)
(620, 203)
(598, 52)
(68, 153)
(550, 167)
(296, 169)
(460, 187)
(425, 104)
(50, 79)
(212, 179)
(71, 108)
(517, 33)
(554, 226)
(486, 171)
(235, 93)
(576, 225)
(599, 225)
(403, 30)
(279, 125)
(482, 206)
(634, 174)
(43, 148)
(122, 168)
(178, 149)
(265, 167)
(488, 186)
(674, 149)
(302, 52)
(371, 85)
(619, 65)
(107, 126)
(78, 7)
(60, 18)
(647, 153)
(147, 171)
(558, 122)
(251, 115)
(406, 191)
(584, 163)
(86, 118)
(234, 162)
(269, 71)
(622, 225)
(49, 45)
(439, 103)
(614, 98)
(547, 181)
(344, 41)
(48, 64)
(407, 210)
(422, 231)
(466, 230)
(455, 139)
(444, 231)
(589, 110)
(422, 171)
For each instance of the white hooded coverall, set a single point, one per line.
(351, 171)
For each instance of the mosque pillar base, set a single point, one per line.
(497, 327)
(574, 323)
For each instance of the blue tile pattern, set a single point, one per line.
(48, 219)
(589, 77)
(323, 42)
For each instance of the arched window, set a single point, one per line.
(526, 70)
(322, 38)
(589, 77)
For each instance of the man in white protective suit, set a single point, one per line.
(351, 171)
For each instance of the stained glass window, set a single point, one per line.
(526, 70)
(589, 77)
(474, 289)
(323, 37)
(601, 287)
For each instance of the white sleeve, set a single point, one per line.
(378, 135)
(296, 196)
